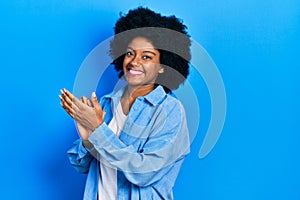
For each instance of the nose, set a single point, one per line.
(135, 62)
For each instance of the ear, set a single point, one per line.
(161, 70)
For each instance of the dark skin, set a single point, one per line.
(87, 113)
(141, 68)
(128, 97)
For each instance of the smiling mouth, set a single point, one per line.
(134, 72)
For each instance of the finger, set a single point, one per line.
(70, 103)
(89, 103)
(69, 113)
(68, 95)
(68, 109)
(67, 106)
(96, 103)
(63, 100)
(65, 96)
(85, 100)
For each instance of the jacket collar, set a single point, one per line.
(154, 97)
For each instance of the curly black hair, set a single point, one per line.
(166, 33)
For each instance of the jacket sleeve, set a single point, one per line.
(79, 157)
(168, 144)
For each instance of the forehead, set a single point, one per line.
(141, 43)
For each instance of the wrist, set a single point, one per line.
(97, 125)
(87, 144)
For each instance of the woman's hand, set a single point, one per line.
(80, 128)
(87, 118)
(83, 130)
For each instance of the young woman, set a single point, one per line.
(132, 144)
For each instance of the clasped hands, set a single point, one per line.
(87, 113)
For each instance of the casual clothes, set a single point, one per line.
(149, 152)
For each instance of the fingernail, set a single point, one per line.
(65, 89)
(94, 94)
(61, 91)
(60, 96)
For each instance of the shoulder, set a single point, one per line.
(172, 105)
(159, 97)
(169, 109)
(112, 96)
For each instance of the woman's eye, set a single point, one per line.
(147, 57)
(128, 53)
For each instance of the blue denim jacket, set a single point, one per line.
(149, 152)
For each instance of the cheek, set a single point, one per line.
(152, 70)
(125, 63)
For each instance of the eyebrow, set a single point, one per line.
(143, 51)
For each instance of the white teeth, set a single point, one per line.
(134, 72)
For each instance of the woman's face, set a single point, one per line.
(141, 63)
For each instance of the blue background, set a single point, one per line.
(255, 45)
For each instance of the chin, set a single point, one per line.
(134, 84)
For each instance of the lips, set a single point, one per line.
(134, 72)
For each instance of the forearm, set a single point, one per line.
(79, 157)
(132, 161)
(87, 144)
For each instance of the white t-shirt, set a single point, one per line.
(107, 186)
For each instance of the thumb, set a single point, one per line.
(103, 115)
(100, 114)
(95, 102)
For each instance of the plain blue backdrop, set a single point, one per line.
(255, 45)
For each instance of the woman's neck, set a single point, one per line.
(135, 92)
(131, 93)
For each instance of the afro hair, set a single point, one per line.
(167, 34)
